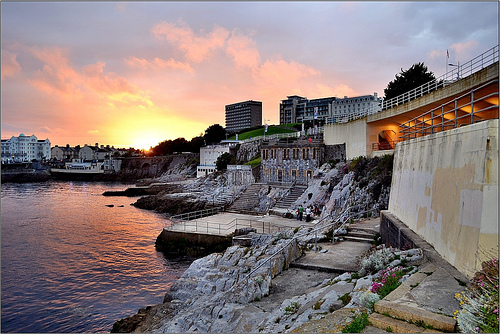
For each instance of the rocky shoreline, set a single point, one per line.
(220, 294)
(212, 294)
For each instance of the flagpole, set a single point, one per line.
(447, 56)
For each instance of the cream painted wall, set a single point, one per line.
(353, 133)
(445, 188)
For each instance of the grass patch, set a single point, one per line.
(271, 130)
(253, 163)
(357, 325)
(346, 299)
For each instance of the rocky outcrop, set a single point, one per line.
(221, 294)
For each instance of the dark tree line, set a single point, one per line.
(417, 75)
(213, 134)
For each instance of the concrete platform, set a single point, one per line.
(340, 257)
(226, 222)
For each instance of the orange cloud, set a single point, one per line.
(196, 47)
(158, 63)
(242, 49)
(56, 76)
(10, 66)
(279, 72)
(339, 91)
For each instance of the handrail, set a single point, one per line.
(435, 120)
(224, 229)
(198, 214)
(459, 72)
(304, 233)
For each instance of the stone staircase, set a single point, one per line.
(248, 200)
(288, 201)
(360, 234)
(422, 304)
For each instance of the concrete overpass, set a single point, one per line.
(378, 133)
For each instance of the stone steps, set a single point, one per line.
(350, 237)
(400, 311)
(248, 200)
(396, 326)
(288, 201)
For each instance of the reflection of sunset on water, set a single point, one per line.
(64, 249)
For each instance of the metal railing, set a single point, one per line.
(342, 219)
(198, 214)
(388, 145)
(466, 109)
(459, 72)
(226, 228)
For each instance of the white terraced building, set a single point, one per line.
(25, 149)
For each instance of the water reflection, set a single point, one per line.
(72, 264)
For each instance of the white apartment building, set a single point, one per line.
(298, 109)
(343, 110)
(209, 155)
(25, 149)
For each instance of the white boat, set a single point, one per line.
(78, 170)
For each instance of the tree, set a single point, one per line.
(223, 160)
(214, 134)
(415, 76)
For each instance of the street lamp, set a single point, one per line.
(458, 69)
(265, 127)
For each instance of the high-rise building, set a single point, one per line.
(243, 115)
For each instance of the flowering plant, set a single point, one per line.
(479, 302)
(387, 281)
(376, 261)
(369, 299)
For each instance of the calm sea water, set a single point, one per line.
(69, 263)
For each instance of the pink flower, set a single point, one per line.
(495, 311)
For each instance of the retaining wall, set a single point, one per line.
(445, 189)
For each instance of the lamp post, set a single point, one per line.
(458, 69)
(265, 127)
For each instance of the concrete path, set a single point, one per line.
(340, 257)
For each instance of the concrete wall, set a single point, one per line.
(353, 133)
(445, 188)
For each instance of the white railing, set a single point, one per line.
(197, 214)
(275, 136)
(209, 227)
(459, 72)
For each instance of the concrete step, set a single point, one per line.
(361, 235)
(396, 326)
(415, 315)
(357, 239)
(361, 230)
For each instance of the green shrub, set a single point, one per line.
(357, 325)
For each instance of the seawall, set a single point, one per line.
(175, 244)
(445, 189)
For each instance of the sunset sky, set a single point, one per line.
(137, 73)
